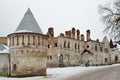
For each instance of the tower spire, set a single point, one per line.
(28, 24)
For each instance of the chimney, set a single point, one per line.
(73, 33)
(61, 35)
(88, 35)
(66, 34)
(82, 37)
(78, 34)
(50, 32)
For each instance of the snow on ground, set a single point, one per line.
(55, 73)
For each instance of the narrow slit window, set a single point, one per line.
(17, 40)
(23, 40)
(33, 40)
(28, 39)
(38, 40)
(13, 41)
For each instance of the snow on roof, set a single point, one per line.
(28, 24)
(3, 48)
(21, 31)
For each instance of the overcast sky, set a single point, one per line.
(60, 14)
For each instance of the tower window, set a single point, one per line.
(33, 40)
(23, 40)
(17, 40)
(28, 39)
(38, 40)
(13, 41)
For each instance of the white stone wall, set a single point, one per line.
(4, 63)
(28, 57)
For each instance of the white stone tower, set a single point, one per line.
(28, 48)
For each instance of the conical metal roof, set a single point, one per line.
(28, 24)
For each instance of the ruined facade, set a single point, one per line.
(71, 49)
(31, 51)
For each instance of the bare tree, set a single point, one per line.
(110, 16)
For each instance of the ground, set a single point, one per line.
(70, 73)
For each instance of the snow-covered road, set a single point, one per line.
(58, 73)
